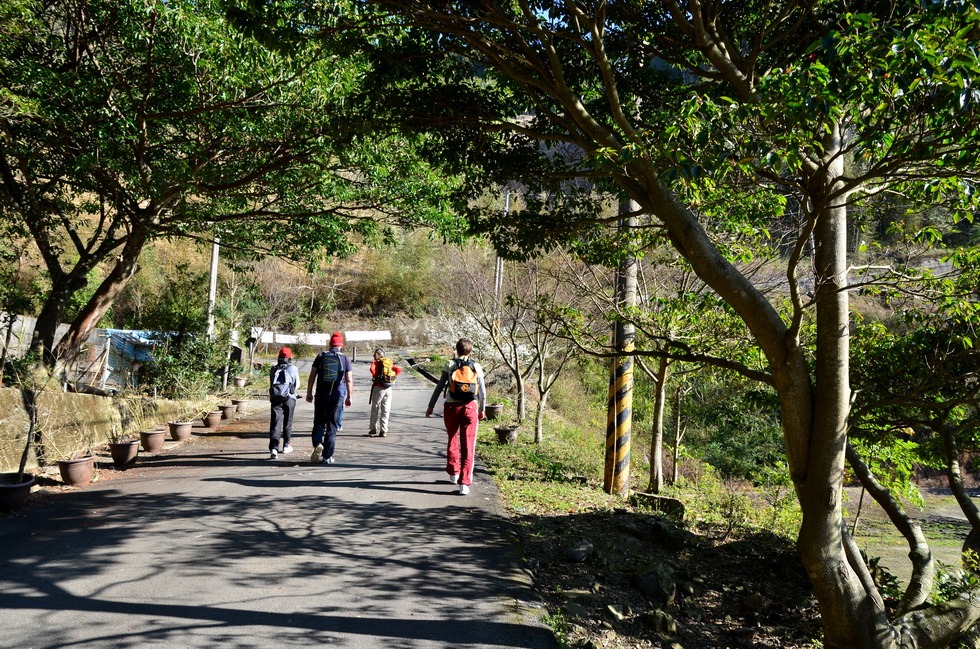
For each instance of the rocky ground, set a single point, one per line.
(627, 579)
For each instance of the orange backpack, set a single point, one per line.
(463, 382)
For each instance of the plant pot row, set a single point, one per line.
(214, 418)
(15, 488)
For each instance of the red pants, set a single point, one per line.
(461, 422)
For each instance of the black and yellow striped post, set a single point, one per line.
(619, 424)
(619, 418)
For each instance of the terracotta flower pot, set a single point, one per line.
(239, 381)
(13, 492)
(241, 405)
(77, 472)
(506, 434)
(228, 412)
(180, 431)
(212, 419)
(124, 453)
(493, 410)
(152, 440)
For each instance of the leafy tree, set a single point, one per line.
(916, 400)
(125, 122)
(721, 120)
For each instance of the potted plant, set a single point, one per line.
(77, 470)
(494, 410)
(211, 418)
(239, 399)
(180, 431)
(152, 440)
(228, 411)
(123, 448)
(239, 376)
(15, 489)
(507, 433)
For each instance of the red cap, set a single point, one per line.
(285, 352)
(337, 339)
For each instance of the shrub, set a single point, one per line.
(186, 367)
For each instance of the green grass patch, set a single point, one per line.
(543, 478)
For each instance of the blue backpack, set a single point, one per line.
(331, 369)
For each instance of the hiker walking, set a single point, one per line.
(383, 375)
(332, 379)
(283, 381)
(462, 380)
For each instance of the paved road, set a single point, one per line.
(212, 544)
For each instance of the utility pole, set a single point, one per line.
(498, 274)
(498, 278)
(213, 285)
(619, 419)
(213, 300)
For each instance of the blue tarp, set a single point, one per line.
(131, 344)
(127, 349)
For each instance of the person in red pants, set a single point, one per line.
(465, 392)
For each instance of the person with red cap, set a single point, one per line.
(283, 381)
(332, 380)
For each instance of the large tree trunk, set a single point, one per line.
(851, 608)
(117, 279)
(52, 314)
(814, 416)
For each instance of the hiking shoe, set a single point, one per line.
(371, 433)
(287, 449)
(273, 454)
(382, 434)
(464, 490)
(317, 456)
(454, 478)
(329, 460)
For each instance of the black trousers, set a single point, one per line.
(281, 426)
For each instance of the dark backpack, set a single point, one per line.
(331, 369)
(463, 382)
(279, 383)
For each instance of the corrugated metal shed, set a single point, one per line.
(126, 351)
